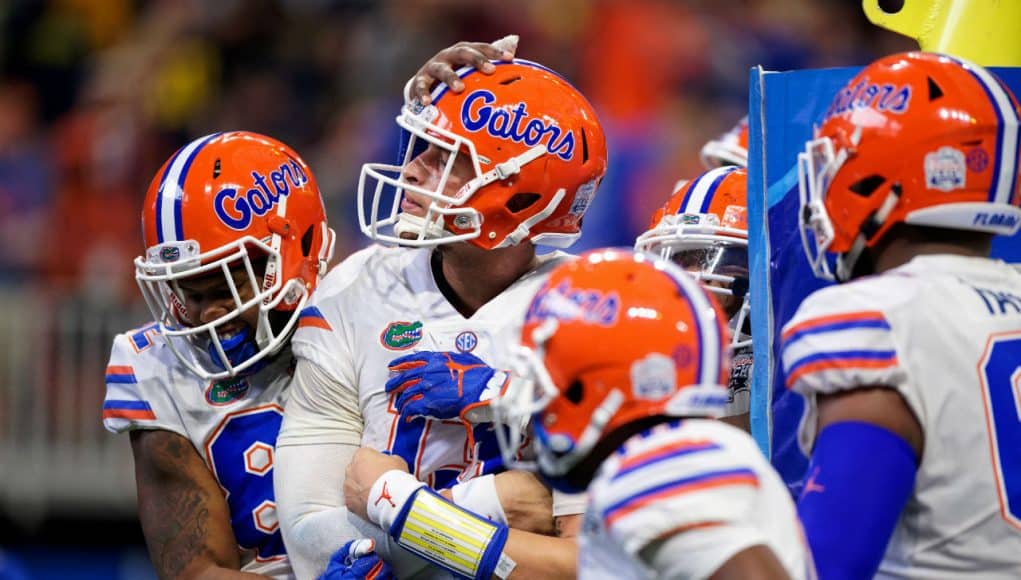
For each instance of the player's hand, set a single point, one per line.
(357, 560)
(365, 468)
(441, 67)
(444, 385)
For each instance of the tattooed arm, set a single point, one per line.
(183, 512)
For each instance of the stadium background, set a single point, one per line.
(94, 96)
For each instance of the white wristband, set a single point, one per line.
(388, 495)
(479, 495)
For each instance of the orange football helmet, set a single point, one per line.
(537, 150)
(916, 138)
(613, 337)
(221, 202)
(704, 228)
(731, 148)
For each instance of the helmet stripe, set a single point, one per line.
(1006, 158)
(700, 193)
(707, 332)
(169, 226)
(464, 71)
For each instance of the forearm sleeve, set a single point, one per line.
(309, 483)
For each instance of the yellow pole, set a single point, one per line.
(987, 32)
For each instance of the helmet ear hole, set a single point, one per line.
(575, 393)
(584, 147)
(522, 201)
(935, 91)
(866, 186)
(306, 240)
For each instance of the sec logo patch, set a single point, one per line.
(466, 341)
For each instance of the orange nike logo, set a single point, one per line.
(811, 485)
(385, 494)
(457, 372)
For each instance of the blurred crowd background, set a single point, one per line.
(95, 95)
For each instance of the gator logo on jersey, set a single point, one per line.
(401, 335)
(226, 392)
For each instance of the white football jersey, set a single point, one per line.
(356, 325)
(701, 484)
(232, 423)
(945, 331)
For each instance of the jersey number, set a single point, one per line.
(241, 453)
(408, 439)
(1000, 370)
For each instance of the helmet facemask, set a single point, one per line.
(817, 166)
(160, 273)
(425, 126)
(715, 255)
(529, 391)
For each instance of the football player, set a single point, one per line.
(235, 242)
(621, 373)
(672, 492)
(511, 161)
(910, 367)
(703, 227)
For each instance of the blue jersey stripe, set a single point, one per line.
(129, 405)
(836, 327)
(665, 457)
(842, 355)
(676, 483)
(311, 311)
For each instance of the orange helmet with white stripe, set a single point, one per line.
(612, 338)
(537, 154)
(703, 227)
(232, 201)
(916, 138)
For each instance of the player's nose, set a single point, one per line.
(415, 172)
(210, 310)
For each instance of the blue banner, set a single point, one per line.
(783, 109)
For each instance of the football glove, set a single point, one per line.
(445, 385)
(357, 560)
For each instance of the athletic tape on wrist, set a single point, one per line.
(389, 495)
(479, 495)
(450, 536)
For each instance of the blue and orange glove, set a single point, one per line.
(357, 560)
(445, 385)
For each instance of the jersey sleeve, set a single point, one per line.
(320, 410)
(137, 396)
(842, 338)
(568, 504)
(321, 336)
(677, 487)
